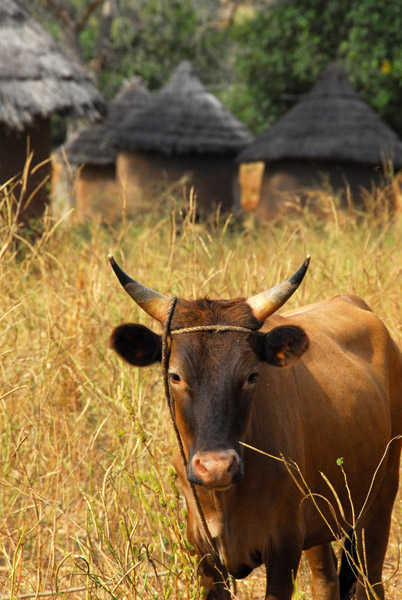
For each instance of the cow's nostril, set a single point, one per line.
(233, 466)
(199, 467)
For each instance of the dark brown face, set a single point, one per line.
(213, 377)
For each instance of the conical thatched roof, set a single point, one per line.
(184, 118)
(89, 145)
(35, 78)
(332, 123)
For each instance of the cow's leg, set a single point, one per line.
(282, 566)
(214, 579)
(347, 571)
(373, 532)
(324, 576)
(214, 575)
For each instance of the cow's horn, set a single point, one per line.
(155, 304)
(266, 303)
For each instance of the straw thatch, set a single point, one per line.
(90, 145)
(185, 118)
(35, 78)
(333, 124)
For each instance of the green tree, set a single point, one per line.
(152, 37)
(373, 55)
(283, 48)
(258, 56)
(117, 39)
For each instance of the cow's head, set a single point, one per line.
(213, 374)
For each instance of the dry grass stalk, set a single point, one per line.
(88, 500)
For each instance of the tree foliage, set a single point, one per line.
(152, 37)
(117, 39)
(283, 49)
(259, 56)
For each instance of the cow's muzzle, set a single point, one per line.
(216, 470)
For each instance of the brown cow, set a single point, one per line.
(318, 389)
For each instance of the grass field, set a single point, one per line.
(88, 499)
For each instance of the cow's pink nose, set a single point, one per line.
(216, 469)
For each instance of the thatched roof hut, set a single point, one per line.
(185, 130)
(185, 118)
(36, 80)
(90, 146)
(96, 191)
(331, 132)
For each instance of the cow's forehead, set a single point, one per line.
(193, 313)
(214, 356)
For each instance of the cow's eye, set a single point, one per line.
(174, 377)
(252, 378)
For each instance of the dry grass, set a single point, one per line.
(88, 501)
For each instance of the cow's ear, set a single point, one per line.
(137, 344)
(283, 346)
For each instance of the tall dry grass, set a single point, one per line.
(89, 506)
